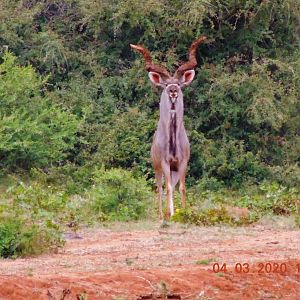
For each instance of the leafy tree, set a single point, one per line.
(245, 98)
(33, 131)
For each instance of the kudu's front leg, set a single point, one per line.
(167, 173)
(182, 189)
(159, 183)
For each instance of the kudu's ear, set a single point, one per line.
(187, 78)
(156, 79)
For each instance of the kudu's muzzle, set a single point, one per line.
(172, 91)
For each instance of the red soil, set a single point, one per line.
(161, 264)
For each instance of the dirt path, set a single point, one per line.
(150, 263)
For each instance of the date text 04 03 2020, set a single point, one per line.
(269, 267)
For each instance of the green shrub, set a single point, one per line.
(211, 206)
(20, 238)
(209, 184)
(36, 200)
(210, 217)
(32, 218)
(125, 141)
(118, 195)
(271, 198)
(297, 219)
(8, 238)
(76, 179)
(33, 131)
(287, 175)
(205, 217)
(221, 163)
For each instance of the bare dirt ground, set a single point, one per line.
(146, 262)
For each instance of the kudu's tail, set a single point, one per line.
(174, 178)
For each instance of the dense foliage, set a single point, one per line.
(34, 215)
(245, 99)
(117, 195)
(33, 131)
(74, 98)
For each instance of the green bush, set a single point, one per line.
(210, 217)
(271, 198)
(21, 238)
(118, 195)
(76, 179)
(287, 175)
(223, 205)
(247, 121)
(36, 200)
(297, 219)
(8, 238)
(32, 219)
(125, 141)
(33, 131)
(224, 163)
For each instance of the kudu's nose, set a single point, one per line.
(172, 91)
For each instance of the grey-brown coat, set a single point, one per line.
(170, 151)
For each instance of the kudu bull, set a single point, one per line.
(170, 151)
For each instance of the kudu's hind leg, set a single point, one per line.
(159, 183)
(182, 188)
(167, 173)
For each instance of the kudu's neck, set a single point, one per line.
(167, 108)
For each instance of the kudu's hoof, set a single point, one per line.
(164, 224)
